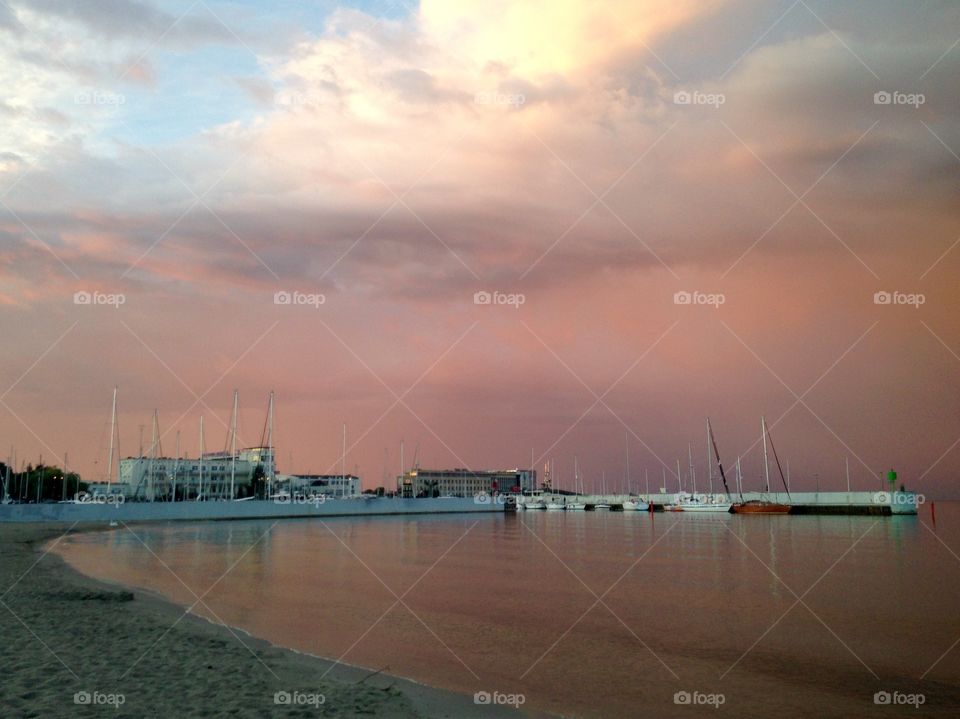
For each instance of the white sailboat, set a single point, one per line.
(676, 505)
(602, 504)
(578, 504)
(631, 504)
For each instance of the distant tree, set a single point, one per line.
(258, 483)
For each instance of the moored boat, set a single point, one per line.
(698, 504)
(764, 506)
(635, 505)
(759, 506)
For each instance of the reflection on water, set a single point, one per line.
(586, 613)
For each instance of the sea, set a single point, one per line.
(588, 614)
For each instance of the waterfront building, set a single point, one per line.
(330, 485)
(464, 482)
(153, 478)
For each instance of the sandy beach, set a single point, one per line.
(76, 646)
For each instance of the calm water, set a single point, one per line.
(693, 603)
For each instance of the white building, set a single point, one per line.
(212, 475)
(330, 485)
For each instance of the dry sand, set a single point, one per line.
(65, 637)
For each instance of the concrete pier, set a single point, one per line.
(250, 509)
(872, 503)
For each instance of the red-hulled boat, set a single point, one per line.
(763, 506)
(758, 506)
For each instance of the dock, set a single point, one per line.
(879, 503)
(129, 511)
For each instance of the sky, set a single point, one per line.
(575, 228)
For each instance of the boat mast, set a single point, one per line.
(343, 463)
(113, 432)
(154, 439)
(679, 481)
(273, 467)
(739, 479)
(233, 443)
(626, 451)
(176, 468)
(200, 481)
(709, 458)
(766, 467)
(646, 476)
(713, 441)
(693, 474)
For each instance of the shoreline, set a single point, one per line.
(70, 632)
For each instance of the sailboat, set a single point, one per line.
(630, 504)
(764, 506)
(603, 503)
(696, 503)
(536, 501)
(677, 505)
(578, 504)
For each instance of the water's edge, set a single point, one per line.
(431, 701)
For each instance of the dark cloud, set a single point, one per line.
(124, 19)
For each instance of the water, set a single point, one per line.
(587, 613)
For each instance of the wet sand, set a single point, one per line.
(69, 639)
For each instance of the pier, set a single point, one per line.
(879, 503)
